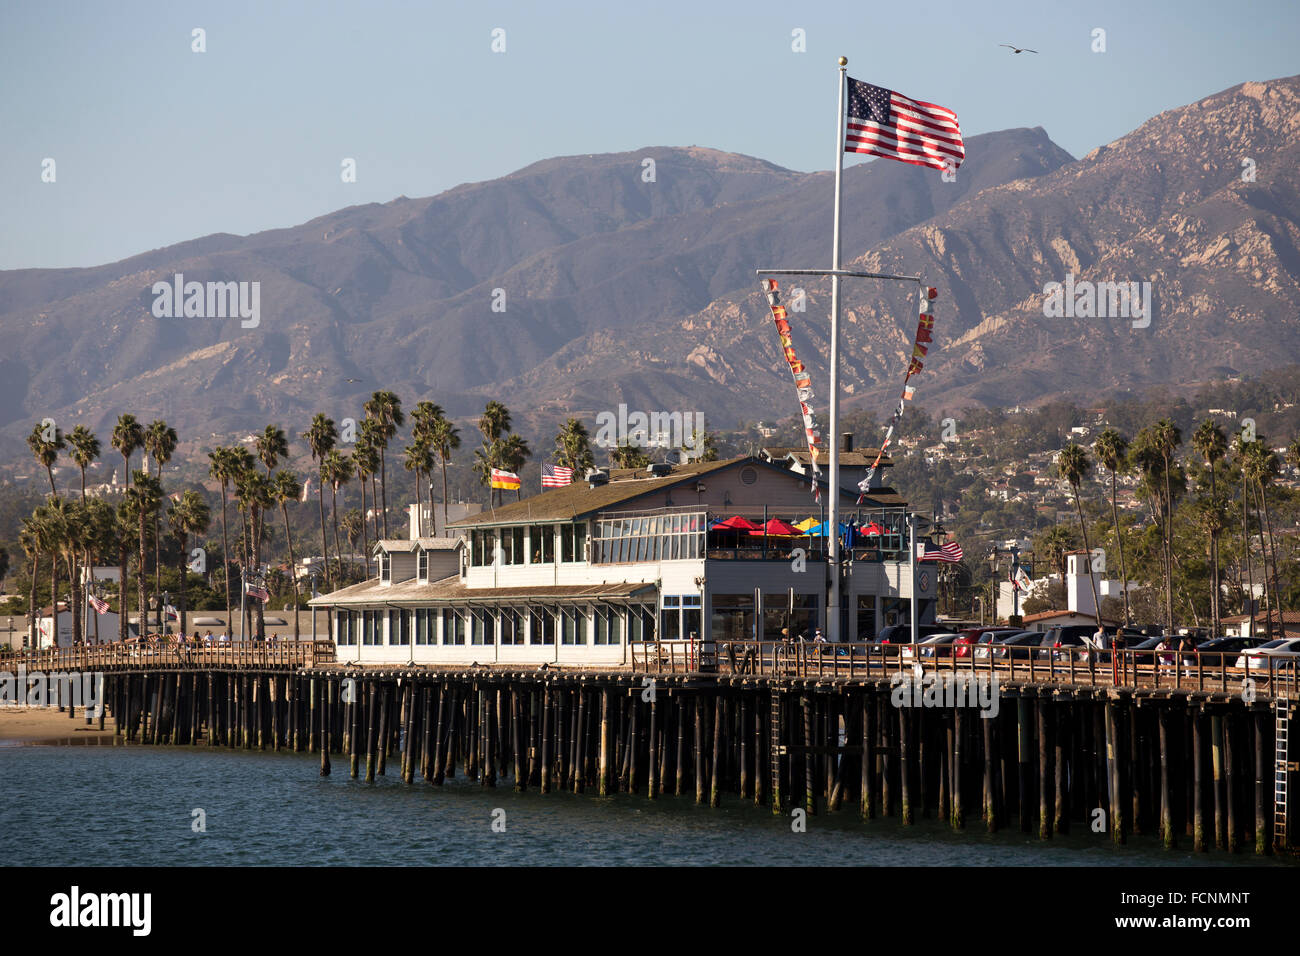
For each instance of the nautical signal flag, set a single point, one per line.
(556, 476)
(505, 479)
(884, 123)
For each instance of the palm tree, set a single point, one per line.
(514, 453)
(629, 456)
(102, 518)
(29, 537)
(419, 459)
(351, 523)
(1111, 449)
(223, 470)
(1072, 465)
(85, 451)
(573, 447)
(186, 517)
(46, 442)
(1261, 469)
(285, 488)
(321, 437)
(337, 469)
(127, 438)
(386, 409)
(445, 437)
(144, 497)
(123, 532)
(494, 423)
(1167, 438)
(1212, 445)
(160, 442)
(70, 537)
(271, 446)
(365, 457)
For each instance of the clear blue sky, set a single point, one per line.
(155, 144)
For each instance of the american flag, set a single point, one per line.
(556, 476)
(885, 123)
(950, 553)
(99, 604)
(257, 591)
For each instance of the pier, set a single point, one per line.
(1191, 750)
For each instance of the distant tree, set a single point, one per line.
(187, 517)
(1073, 466)
(386, 409)
(1212, 445)
(1111, 449)
(573, 447)
(46, 449)
(321, 437)
(85, 451)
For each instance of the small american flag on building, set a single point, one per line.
(99, 604)
(257, 591)
(885, 123)
(950, 553)
(556, 476)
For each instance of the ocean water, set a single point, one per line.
(137, 805)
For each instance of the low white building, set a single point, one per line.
(574, 575)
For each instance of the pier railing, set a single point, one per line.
(1187, 670)
(250, 655)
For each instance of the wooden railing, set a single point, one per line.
(1189, 670)
(277, 655)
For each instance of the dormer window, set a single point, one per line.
(422, 564)
(385, 566)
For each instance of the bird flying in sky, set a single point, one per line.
(1017, 49)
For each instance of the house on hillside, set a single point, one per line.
(710, 551)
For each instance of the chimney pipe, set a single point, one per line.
(848, 442)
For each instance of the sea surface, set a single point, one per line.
(139, 805)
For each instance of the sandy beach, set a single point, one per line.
(49, 725)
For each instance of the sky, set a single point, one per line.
(154, 143)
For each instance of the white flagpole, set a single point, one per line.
(833, 443)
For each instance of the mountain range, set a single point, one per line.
(582, 282)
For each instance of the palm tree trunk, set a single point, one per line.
(444, 494)
(324, 544)
(365, 531)
(1245, 550)
(259, 610)
(383, 486)
(419, 507)
(1119, 541)
(31, 602)
(122, 552)
(1169, 552)
(1272, 546)
(1214, 561)
(225, 556)
(74, 599)
(50, 472)
(180, 609)
(334, 517)
(1092, 581)
(140, 580)
(293, 568)
(54, 599)
(83, 483)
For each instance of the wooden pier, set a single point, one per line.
(1191, 749)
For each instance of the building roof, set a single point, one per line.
(1286, 617)
(858, 458)
(452, 591)
(428, 544)
(1048, 615)
(579, 500)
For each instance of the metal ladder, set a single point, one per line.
(777, 749)
(1282, 719)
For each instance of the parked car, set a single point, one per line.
(1020, 646)
(934, 646)
(990, 637)
(1069, 635)
(1254, 658)
(1213, 650)
(902, 633)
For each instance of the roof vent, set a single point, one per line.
(597, 477)
(660, 469)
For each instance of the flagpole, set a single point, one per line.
(833, 612)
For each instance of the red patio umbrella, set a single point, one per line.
(775, 527)
(734, 523)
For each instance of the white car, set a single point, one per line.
(1283, 647)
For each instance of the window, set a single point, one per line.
(800, 614)
(399, 633)
(512, 545)
(608, 625)
(543, 627)
(345, 628)
(424, 626)
(671, 618)
(691, 616)
(541, 539)
(483, 546)
(512, 627)
(733, 617)
(372, 628)
(655, 537)
(385, 566)
(573, 626)
(481, 627)
(422, 564)
(573, 543)
(453, 627)
(641, 624)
